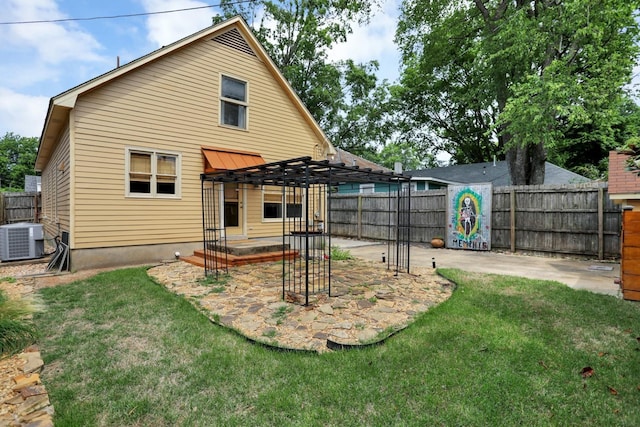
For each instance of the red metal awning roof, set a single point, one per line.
(217, 159)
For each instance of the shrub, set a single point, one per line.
(16, 329)
(340, 254)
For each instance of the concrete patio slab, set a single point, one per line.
(592, 275)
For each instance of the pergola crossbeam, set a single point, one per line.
(310, 184)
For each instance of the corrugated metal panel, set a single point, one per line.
(220, 159)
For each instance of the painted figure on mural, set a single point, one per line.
(468, 216)
(469, 213)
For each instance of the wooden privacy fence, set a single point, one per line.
(563, 220)
(19, 207)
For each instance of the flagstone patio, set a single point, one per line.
(368, 302)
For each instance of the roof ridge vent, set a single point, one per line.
(234, 40)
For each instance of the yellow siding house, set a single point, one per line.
(121, 155)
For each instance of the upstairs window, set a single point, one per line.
(233, 102)
(152, 173)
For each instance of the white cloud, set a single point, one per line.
(53, 43)
(166, 28)
(56, 44)
(374, 41)
(634, 84)
(22, 114)
(20, 10)
(24, 74)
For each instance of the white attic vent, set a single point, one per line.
(234, 40)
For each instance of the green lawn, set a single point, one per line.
(121, 350)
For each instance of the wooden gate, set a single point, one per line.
(630, 262)
(19, 207)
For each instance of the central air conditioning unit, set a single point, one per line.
(21, 241)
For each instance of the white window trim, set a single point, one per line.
(368, 188)
(283, 205)
(154, 153)
(233, 101)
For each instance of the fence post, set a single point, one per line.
(516, 210)
(1, 208)
(36, 217)
(600, 223)
(359, 216)
(512, 216)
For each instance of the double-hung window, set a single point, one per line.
(233, 102)
(273, 207)
(152, 173)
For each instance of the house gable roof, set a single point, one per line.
(496, 173)
(350, 159)
(233, 32)
(623, 184)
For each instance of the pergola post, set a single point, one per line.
(305, 174)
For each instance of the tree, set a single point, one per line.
(17, 159)
(516, 77)
(405, 153)
(632, 148)
(344, 97)
(366, 118)
(585, 149)
(447, 103)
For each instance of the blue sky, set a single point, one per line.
(43, 60)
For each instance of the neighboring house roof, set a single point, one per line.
(60, 105)
(623, 184)
(31, 183)
(496, 173)
(350, 159)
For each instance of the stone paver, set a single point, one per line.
(24, 400)
(372, 302)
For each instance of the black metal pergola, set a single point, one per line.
(306, 187)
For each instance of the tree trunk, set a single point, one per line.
(526, 164)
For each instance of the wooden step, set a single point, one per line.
(199, 261)
(235, 260)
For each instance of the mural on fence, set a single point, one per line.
(469, 217)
